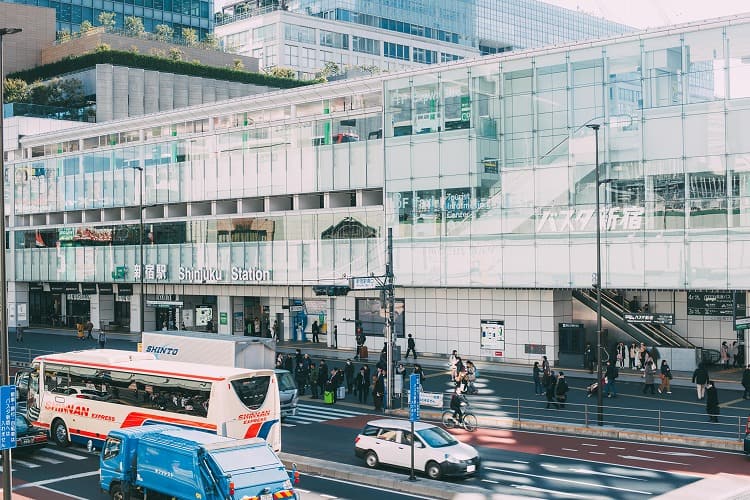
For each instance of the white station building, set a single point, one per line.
(484, 170)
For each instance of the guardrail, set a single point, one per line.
(507, 411)
(22, 356)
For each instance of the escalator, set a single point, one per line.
(612, 310)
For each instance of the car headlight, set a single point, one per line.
(452, 459)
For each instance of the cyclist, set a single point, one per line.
(458, 399)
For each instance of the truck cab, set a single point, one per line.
(189, 464)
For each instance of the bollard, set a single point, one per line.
(295, 474)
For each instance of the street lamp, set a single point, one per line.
(140, 242)
(4, 358)
(598, 281)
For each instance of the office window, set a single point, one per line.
(396, 51)
(297, 33)
(425, 56)
(264, 33)
(335, 40)
(366, 45)
(291, 55)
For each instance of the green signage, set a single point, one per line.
(223, 318)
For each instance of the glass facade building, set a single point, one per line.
(484, 169)
(178, 14)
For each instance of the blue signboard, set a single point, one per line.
(414, 390)
(8, 419)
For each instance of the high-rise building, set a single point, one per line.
(178, 14)
(394, 34)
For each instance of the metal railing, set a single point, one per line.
(731, 424)
(22, 356)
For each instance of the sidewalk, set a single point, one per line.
(727, 379)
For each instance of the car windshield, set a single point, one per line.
(286, 381)
(436, 437)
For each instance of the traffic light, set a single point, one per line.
(331, 290)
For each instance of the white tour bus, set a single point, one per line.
(80, 396)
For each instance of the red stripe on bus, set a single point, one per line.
(252, 431)
(136, 419)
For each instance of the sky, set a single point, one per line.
(654, 13)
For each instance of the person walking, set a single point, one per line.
(537, 376)
(746, 382)
(313, 377)
(19, 334)
(349, 375)
(666, 377)
(725, 354)
(452, 361)
(102, 339)
(734, 350)
(649, 374)
(550, 389)
(588, 358)
(611, 375)
(378, 391)
(411, 347)
(545, 366)
(621, 354)
(315, 329)
(362, 386)
(632, 355)
(712, 402)
(300, 376)
(561, 391)
(89, 330)
(418, 371)
(335, 336)
(700, 379)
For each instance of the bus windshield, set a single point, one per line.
(252, 391)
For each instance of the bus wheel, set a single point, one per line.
(116, 492)
(60, 433)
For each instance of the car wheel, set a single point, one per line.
(60, 433)
(433, 470)
(116, 493)
(371, 459)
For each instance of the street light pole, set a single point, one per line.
(4, 340)
(599, 403)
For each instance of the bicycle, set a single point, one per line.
(469, 421)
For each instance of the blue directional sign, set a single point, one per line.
(414, 390)
(8, 417)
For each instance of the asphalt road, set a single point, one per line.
(58, 473)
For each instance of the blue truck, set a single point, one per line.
(166, 461)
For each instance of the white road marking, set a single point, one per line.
(376, 488)
(569, 449)
(57, 479)
(644, 459)
(520, 461)
(490, 481)
(30, 465)
(47, 460)
(675, 453)
(590, 472)
(616, 448)
(597, 453)
(543, 490)
(327, 496)
(588, 444)
(62, 453)
(288, 425)
(573, 481)
(624, 466)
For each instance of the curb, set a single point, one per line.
(379, 478)
(598, 432)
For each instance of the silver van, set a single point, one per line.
(288, 393)
(436, 452)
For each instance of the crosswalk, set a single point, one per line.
(49, 455)
(312, 414)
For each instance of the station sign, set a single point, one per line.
(649, 318)
(7, 417)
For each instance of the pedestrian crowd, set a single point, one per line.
(331, 383)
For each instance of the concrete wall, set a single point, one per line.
(24, 50)
(89, 42)
(125, 92)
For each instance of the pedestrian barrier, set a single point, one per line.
(22, 356)
(510, 412)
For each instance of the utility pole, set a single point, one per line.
(390, 327)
